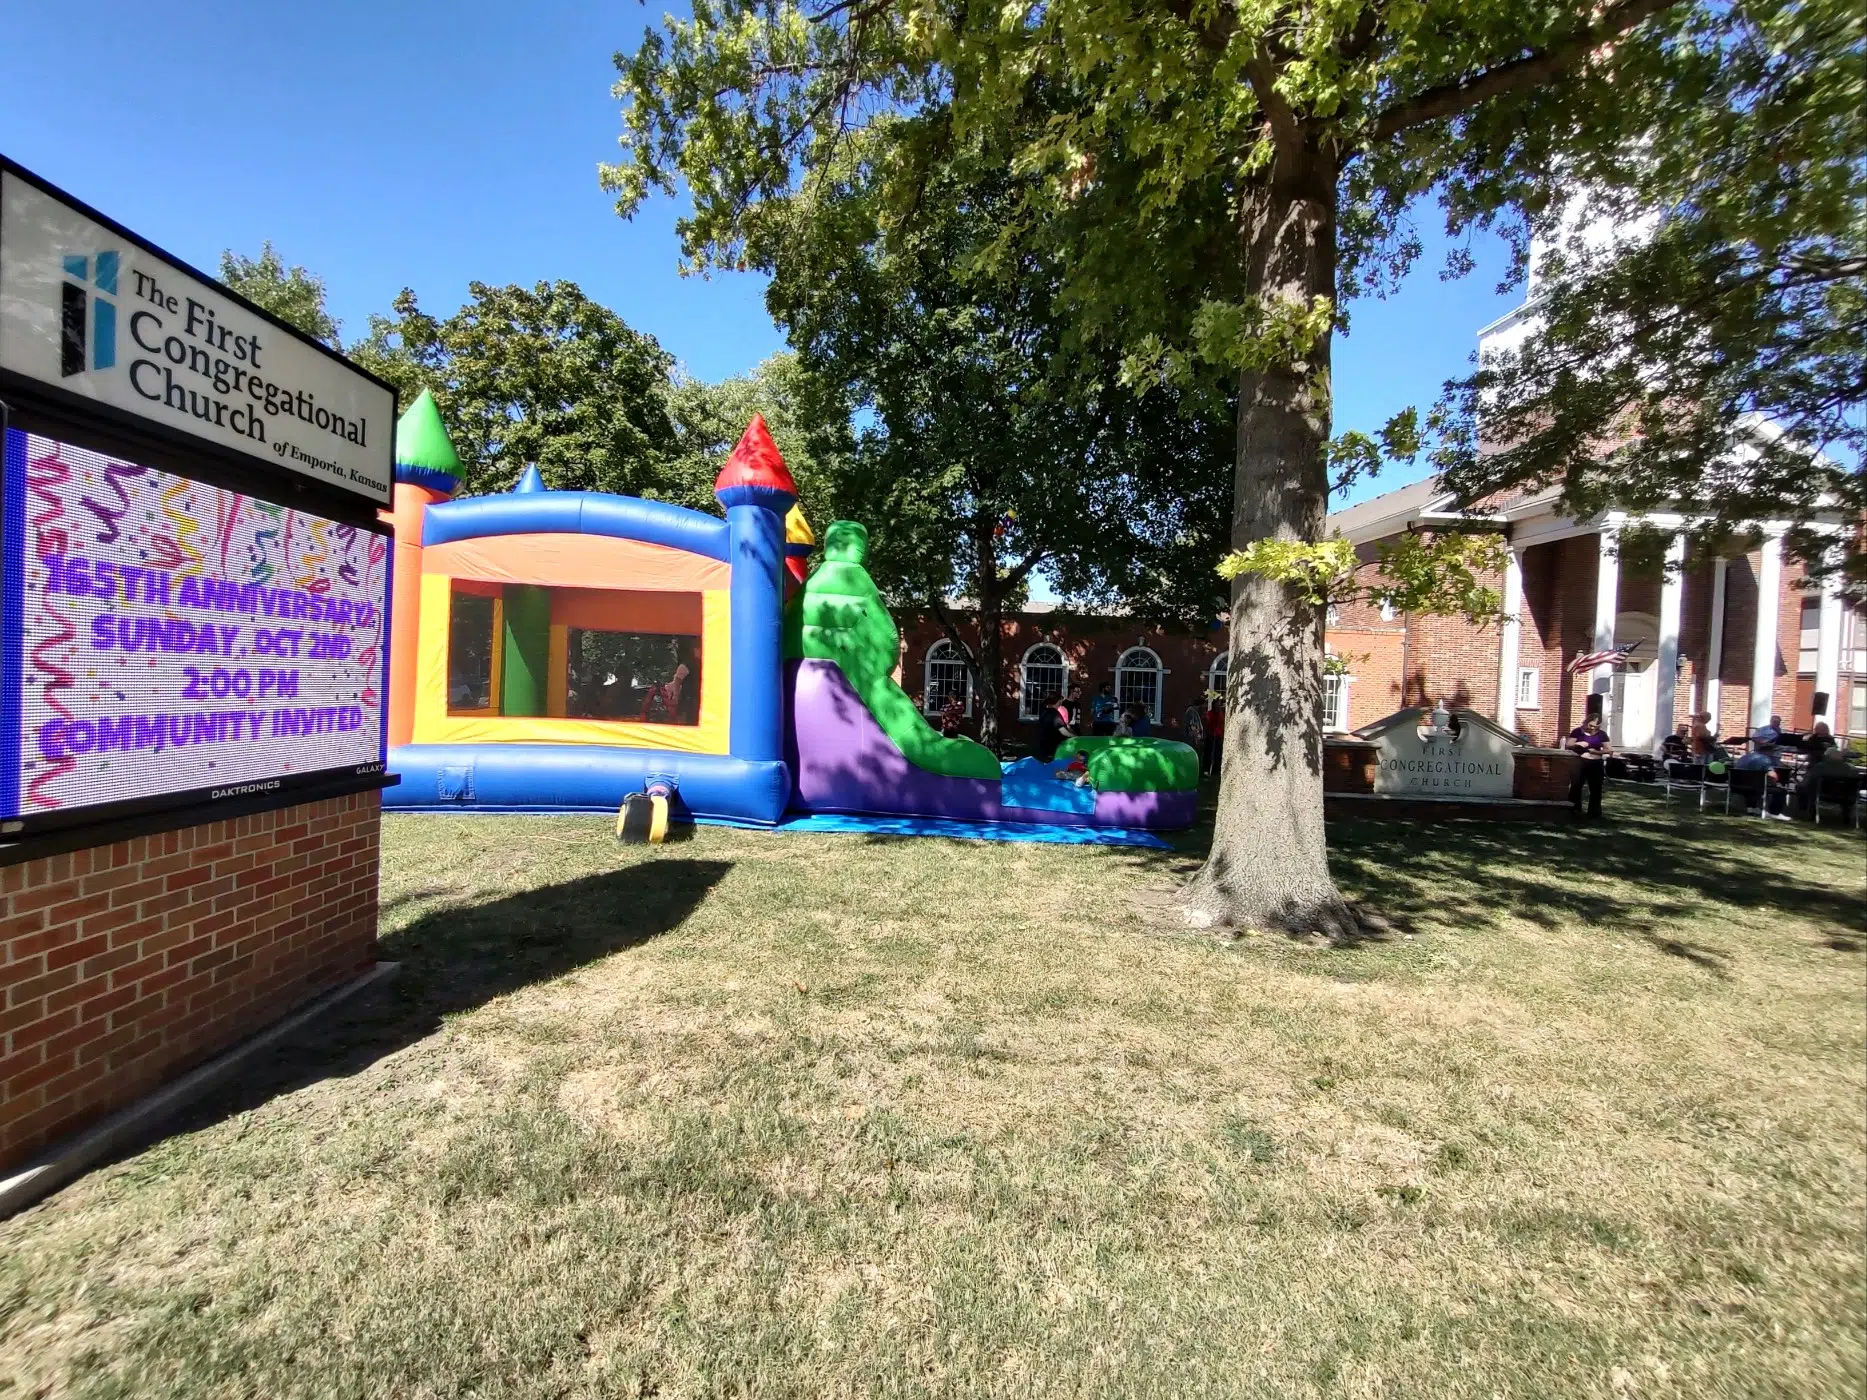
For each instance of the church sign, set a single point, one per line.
(1442, 754)
(99, 323)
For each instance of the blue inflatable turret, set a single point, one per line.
(757, 491)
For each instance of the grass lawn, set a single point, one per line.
(826, 1116)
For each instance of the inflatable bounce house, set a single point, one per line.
(560, 650)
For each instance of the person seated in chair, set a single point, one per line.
(1818, 741)
(1768, 736)
(1832, 771)
(1757, 761)
(1677, 745)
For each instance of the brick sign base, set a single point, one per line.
(123, 965)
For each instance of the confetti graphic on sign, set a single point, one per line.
(109, 517)
(172, 644)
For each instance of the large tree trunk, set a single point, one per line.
(1269, 868)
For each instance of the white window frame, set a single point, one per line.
(1218, 672)
(1534, 699)
(1809, 636)
(1338, 682)
(1854, 640)
(1027, 702)
(1389, 612)
(1123, 670)
(944, 653)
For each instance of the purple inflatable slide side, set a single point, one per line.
(842, 761)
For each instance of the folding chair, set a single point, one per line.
(1685, 777)
(1842, 792)
(1748, 785)
(1716, 780)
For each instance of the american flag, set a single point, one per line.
(1613, 656)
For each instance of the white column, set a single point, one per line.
(1769, 607)
(1714, 657)
(1672, 586)
(1607, 605)
(1828, 646)
(1510, 641)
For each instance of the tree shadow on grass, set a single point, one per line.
(458, 957)
(1640, 875)
(1646, 871)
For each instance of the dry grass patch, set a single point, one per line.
(824, 1116)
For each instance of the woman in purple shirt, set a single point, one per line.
(1591, 742)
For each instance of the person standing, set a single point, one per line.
(1590, 741)
(1106, 710)
(1053, 727)
(1215, 734)
(1193, 725)
(950, 716)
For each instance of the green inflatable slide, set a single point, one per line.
(838, 615)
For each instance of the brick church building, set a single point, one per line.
(1741, 637)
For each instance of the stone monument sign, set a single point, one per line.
(1442, 753)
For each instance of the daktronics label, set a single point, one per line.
(165, 637)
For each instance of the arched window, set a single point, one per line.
(946, 675)
(1217, 671)
(1044, 674)
(1138, 680)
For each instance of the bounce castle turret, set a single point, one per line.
(559, 650)
(426, 471)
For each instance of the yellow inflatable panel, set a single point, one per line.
(434, 725)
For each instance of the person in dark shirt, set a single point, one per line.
(1106, 710)
(1677, 746)
(950, 714)
(1818, 741)
(1215, 734)
(1841, 778)
(1053, 727)
(1590, 741)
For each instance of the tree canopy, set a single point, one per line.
(1727, 326)
(535, 375)
(292, 294)
(808, 418)
(990, 451)
(1216, 181)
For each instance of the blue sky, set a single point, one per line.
(416, 143)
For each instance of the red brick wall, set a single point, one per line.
(122, 965)
(1091, 645)
(1790, 699)
(1451, 659)
(1374, 648)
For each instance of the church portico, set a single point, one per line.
(1741, 636)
